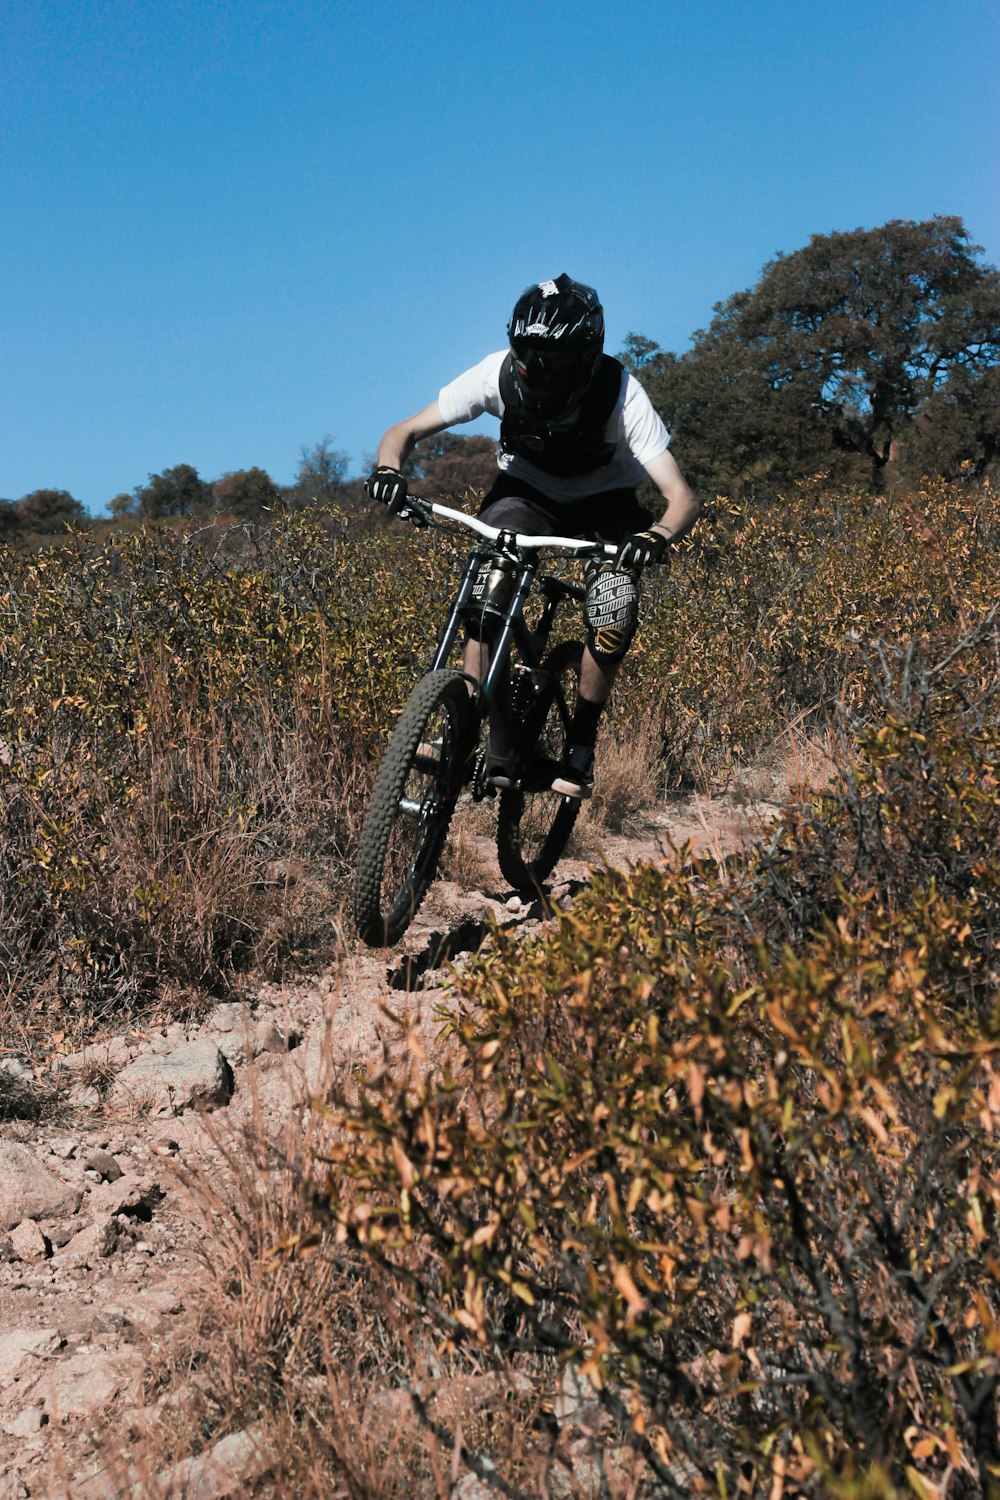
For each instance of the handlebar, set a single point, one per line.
(428, 508)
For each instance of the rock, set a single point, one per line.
(27, 1422)
(84, 1383)
(83, 1096)
(195, 1073)
(65, 1147)
(577, 1403)
(59, 1232)
(471, 1488)
(15, 1068)
(232, 1015)
(101, 1059)
(29, 1242)
(229, 1468)
(28, 1190)
(130, 1194)
(22, 1344)
(96, 1242)
(104, 1165)
(235, 1046)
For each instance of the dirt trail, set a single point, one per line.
(99, 1236)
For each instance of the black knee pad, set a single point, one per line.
(611, 612)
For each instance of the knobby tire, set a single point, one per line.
(411, 807)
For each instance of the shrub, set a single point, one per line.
(185, 717)
(728, 1142)
(187, 732)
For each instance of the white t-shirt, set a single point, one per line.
(634, 427)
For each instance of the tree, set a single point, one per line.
(246, 492)
(958, 429)
(48, 511)
(446, 466)
(123, 504)
(10, 521)
(176, 492)
(834, 354)
(321, 476)
(638, 352)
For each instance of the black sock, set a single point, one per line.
(583, 726)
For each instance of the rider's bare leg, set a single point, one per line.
(475, 660)
(596, 678)
(475, 663)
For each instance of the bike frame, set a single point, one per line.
(519, 551)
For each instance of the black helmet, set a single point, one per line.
(556, 334)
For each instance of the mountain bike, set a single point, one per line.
(455, 730)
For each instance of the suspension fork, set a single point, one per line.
(450, 629)
(495, 687)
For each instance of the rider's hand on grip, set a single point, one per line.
(640, 550)
(388, 486)
(412, 514)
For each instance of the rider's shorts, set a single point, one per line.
(610, 517)
(611, 610)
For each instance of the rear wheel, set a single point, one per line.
(411, 807)
(534, 822)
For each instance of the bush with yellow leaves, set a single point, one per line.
(727, 1142)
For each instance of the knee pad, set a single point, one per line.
(611, 612)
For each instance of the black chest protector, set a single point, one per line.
(561, 448)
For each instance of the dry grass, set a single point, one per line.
(346, 1391)
(469, 856)
(628, 773)
(229, 851)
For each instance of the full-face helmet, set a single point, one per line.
(556, 334)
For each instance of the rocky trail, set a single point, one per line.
(102, 1224)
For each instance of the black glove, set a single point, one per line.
(389, 486)
(641, 549)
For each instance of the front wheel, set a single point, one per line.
(534, 823)
(411, 807)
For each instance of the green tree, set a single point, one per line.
(958, 429)
(638, 352)
(834, 354)
(246, 492)
(176, 492)
(321, 476)
(48, 511)
(10, 521)
(122, 505)
(445, 467)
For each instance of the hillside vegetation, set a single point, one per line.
(721, 1142)
(189, 721)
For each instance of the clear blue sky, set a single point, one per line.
(229, 227)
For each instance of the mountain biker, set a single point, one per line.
(577, 435)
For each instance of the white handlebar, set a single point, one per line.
(561, 543)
